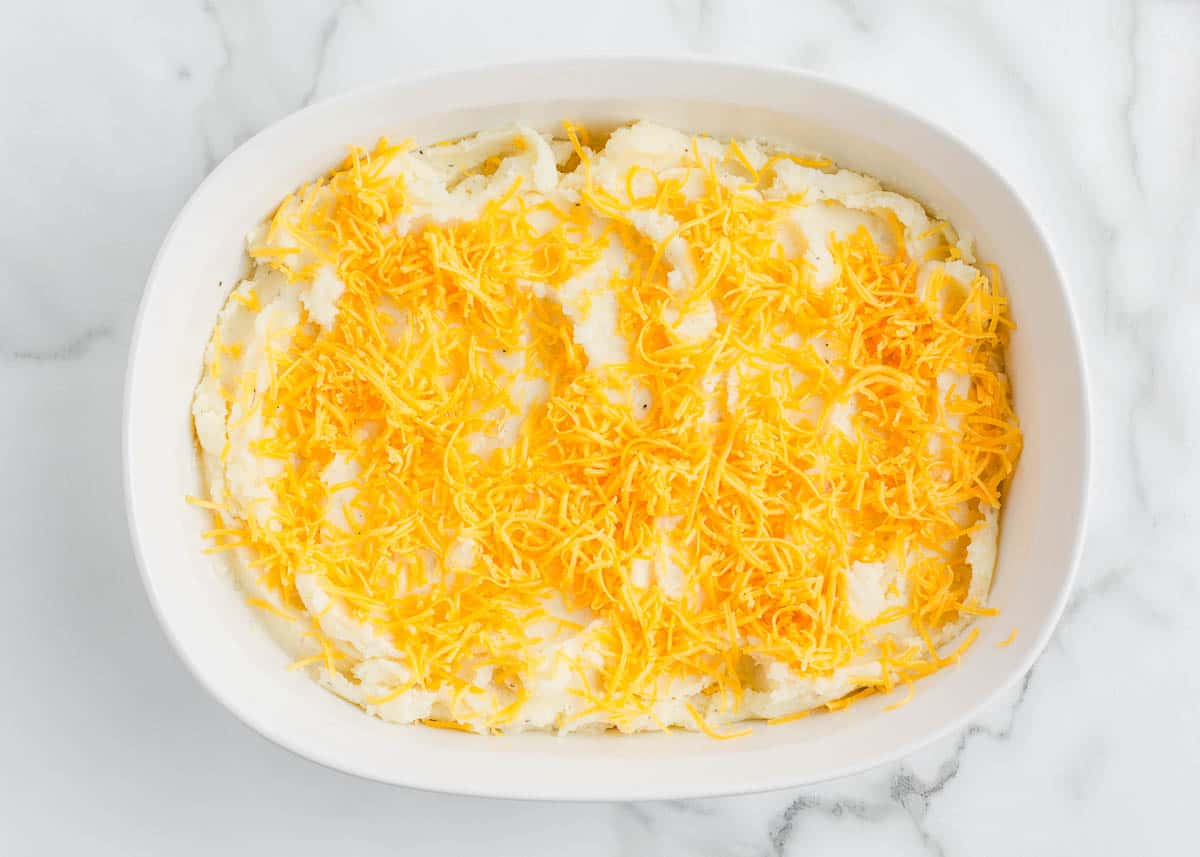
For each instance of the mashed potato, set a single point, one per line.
(528, 431)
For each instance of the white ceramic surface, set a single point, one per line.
(219, 637)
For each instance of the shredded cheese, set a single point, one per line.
(487, 464)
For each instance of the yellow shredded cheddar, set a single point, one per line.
(463, 507)
(262, 604)
(704, 727)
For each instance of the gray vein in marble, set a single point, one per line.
(1134, 324)
(647, 824)
(992, 47)
(906, 791)
(211, 156)
(74, 348)
(694, 18)
(1130, 101)
(247, 125)
(783, 831)
(639, 814)
(1110, 581)
(971, 18)
(914, 795)
(1140, 329)
(1083, 772)
(689, 807)
(853, 12)
(328, 29)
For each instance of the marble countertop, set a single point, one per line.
(114, 112)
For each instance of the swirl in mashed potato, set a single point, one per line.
(531, 431)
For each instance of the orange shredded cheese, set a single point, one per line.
(789, 718)
(736, 439)
(201, 503)
(704, 727)
(445, 724)
(262, 604)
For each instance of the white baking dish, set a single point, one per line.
(220, 638)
